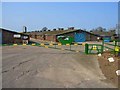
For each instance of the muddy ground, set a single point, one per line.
(109, 68)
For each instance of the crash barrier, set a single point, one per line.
(93, 48)
(113, 46)
(71, 47)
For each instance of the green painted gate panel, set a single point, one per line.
(65, 39)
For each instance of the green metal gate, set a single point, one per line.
(93, 48)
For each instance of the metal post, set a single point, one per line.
(70, 46)
(55, 45)
(102, 46)
(86, 48)
(115, 43)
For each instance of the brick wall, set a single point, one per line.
(50, 38)
(8, 37)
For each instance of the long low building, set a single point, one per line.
(78, 35)
(12, 37)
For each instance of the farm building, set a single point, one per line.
(106, 35)
(11, 37)
(78, 35)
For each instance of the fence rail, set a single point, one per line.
(88, 49)
(113, 46)
(71, 47)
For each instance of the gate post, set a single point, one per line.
(115, 47)
(86, 48)
(102, 46)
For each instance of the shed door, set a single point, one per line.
(80, 37)
(0, 37)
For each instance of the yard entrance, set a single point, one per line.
(38, 67)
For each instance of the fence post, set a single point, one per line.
(102, 46)
(115, 43)
(86, 48)
(55, 45)
(70, 46)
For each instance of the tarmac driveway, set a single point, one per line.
(39, 67)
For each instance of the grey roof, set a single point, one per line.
(12, 31)
(105, 33)
(59, 32)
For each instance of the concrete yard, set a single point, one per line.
(39, 67)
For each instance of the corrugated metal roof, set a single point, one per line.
(12, 31)
(52, 32)
(107, 33)
(59, 32)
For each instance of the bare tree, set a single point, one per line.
(44, 29)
